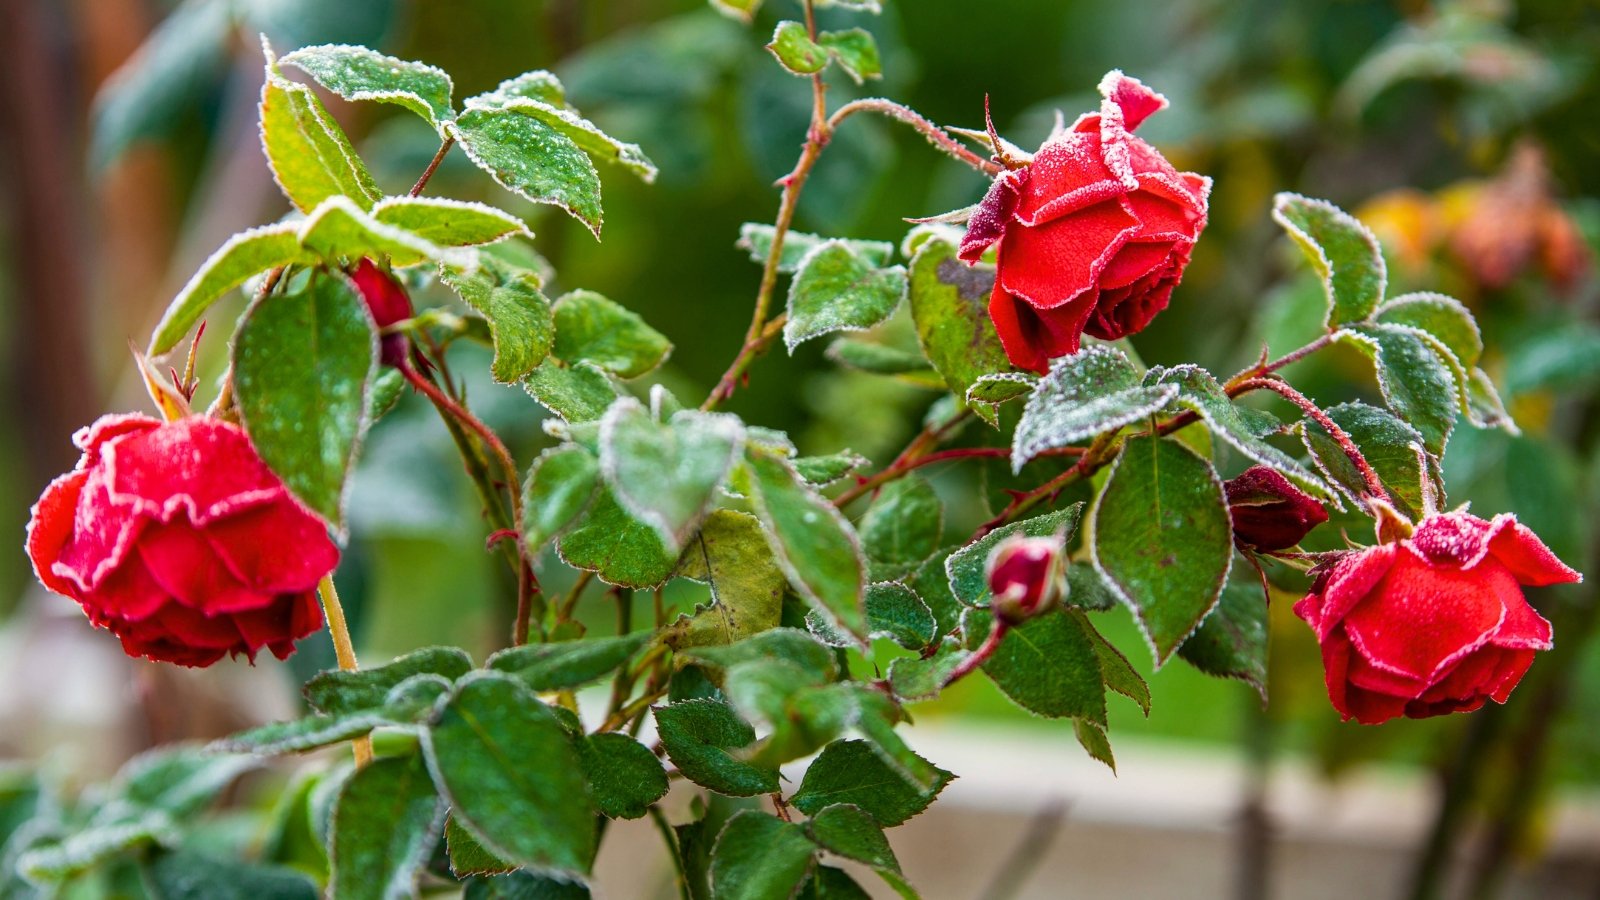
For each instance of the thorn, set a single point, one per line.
(1015, 494)
(1000, 154)
(744, 380)
(496, 537)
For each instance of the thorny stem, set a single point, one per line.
(1091, 460)
(981, 655)
(433, 166)
(626, 714)
(935, 135)
(345, 651)
(1283, 389)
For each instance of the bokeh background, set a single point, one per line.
(1464, 132)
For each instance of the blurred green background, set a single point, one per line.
(1464, 131)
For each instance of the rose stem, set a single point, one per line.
(935, 135)
(1283, 389)
(345, 651)
(981, 655)
(433, 166)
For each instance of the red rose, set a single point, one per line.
(389, 303)
(180, 540)
(1025, 577)
(1269, 513)
(1435, 623)
(1094, 233)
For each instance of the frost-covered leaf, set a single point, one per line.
(617, 547)
(989, 392)
(1414, 375)
(1232, 641)
(1443, 317)
(244, 256)
(1087, 394)
(821, 471)
(339, 230)
(850, 832)
(51, 861)
(794, 49)
(342, 692)
(385, 824)
(593, 329)
(1343, 252)
(310, 156)
(852, 772)
(358, 73)
(856, 52)
(760, 857)
(837, 289)
(814, 544)
(624, 775)
(731, 556)
(538, 84)
(703, 737)
(894, 611)
(1048, 665)
(882, 359)
(512, 778)
(1118, 674)
(949, 302)
(914, 678)
(467, 856)
(1391, 447)
(583, 133)
(562, 665)
(665, 474)
(303, 366)
(902, 527)
(756, 239)
(1160, 534)
(447, 223)
(559, 487)
(1200, 392)
(530, 157)
(965, 567)
(520, 318)
(577, 393)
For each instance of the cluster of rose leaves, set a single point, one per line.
(203, 534)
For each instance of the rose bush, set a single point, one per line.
(179, 540)
(1435, 623)
(1093, 233)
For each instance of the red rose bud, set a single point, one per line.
(177, 538)
(1434, 623)
(389, 303)
(1094, 233)
(1269, 513)
(1025, 577)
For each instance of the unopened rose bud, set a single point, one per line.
(1025, 577)
(389, 303)
(1269, 513)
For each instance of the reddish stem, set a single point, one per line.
(1283, 389)
(433, 166)
(935, 135)
(981, 655)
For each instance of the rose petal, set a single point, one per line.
(1160, 219)
(1370, 708)
(128, 594)
(1067, 174)
(1119, 313)
(1053, 263)
(204, 467)
(1347, 584)
(182, 561)
(989, 220)
(1135, 260)
(1129, 97)
(93, 437)
(277, 548)
(103, 532)
(1523, 628)
(1021, 333)
(1521, 551)
(1474, 676)
(1424, 616)
(50, 527)
(1378, 679)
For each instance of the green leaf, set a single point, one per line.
(357, 73)
(1232, 641)
(172, 71)
(698, 734)
(533, 159)
(303, 366)
(965, 567)
(894, 611)
(1414, 377)
(856, 52)
(58, 860)
(792, 45)
(1160, 534)
(989, 392)
(520, 317)
(538, 84)
(829, 883)
(882, 359)
(932, 584)
(1485, 409)
(620, 549)
(923, 677)
(756, 239)
(313, 731)
(1048, 665)
(821, 471)
(1092, 738)
(1087, 394)
(731, 556)
(1118, 674)
(1343, 252)
(1443, 317)
(837, 289)
(385, 824)
(812, 660)
(577, 393)
(598, 331)
(448, 223)
(310, 156)
(1199, 391)
(1391, 447)
(950, 304)
(666, 474)
(511, 776)
(560, 486)
(759, 857)
(565, 121)
(853, 772)
(625, 776)
(1087, 589)
(191, 875)
(812, 542)
(244, 256)
(850, 832)
(523, 886)
(902, 527)
(342, 692)
(467, 856)
(743, 10)
(868, 6)
(560, 665)
(339, 230)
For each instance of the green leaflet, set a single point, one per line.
(529, 157)
(357, 73)
(310, 156)
(1343, 252)
(838, 289)
(813, 543)
(1094, 391)
(598, 331)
